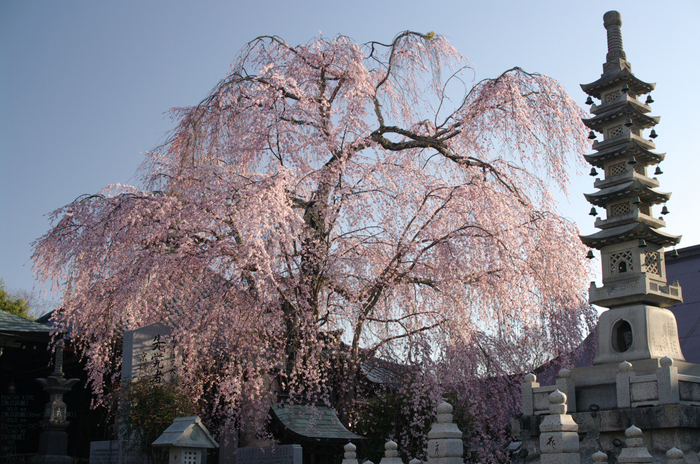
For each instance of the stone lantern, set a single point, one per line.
(53, 441)
(187, 440)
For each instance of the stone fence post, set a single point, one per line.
(565, 384)
(445, 444)
(667, 376)
(623, 384)
(528, 388)
(635, 452)
(350, 457)
(674, 456)
(559, 433)
(391, 456)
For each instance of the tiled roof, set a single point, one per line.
(313, 422)
(14, 324)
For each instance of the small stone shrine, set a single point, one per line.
(639, 376)
(187, 440)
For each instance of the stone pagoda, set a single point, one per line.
(630, 241)
(639, 375)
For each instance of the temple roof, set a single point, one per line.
(14, 329)
(312, 422)
(628, 232)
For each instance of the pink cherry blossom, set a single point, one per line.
(327, 203)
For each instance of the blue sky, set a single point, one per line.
(85, 85)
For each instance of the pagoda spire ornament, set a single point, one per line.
(630, 241)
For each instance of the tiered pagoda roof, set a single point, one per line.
(630, 240)
(637, 147)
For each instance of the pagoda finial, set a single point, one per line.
(612, 20)
(613, 23)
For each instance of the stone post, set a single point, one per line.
(674, 456)
(565, 384)
(350, 457)
(668, 382)
(600, 458)
(415, 461)
(635, 452)
(529, 384)
(445, 444)
(623, 385)
(559, 434)
(391, 456)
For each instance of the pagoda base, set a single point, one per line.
(637, 332)
(659, 396)
(663, 427)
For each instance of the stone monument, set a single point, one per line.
(639, 375)
(145, 353)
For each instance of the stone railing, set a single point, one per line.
(667, 386)
(559, 441)
(559, 433)
(536, 398)
(645, 288)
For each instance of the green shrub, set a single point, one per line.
(148, 407)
